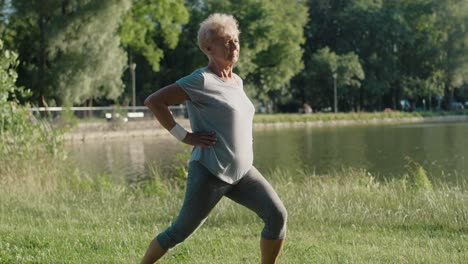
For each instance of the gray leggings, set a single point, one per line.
(204, 191)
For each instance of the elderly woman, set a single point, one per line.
(221, 118)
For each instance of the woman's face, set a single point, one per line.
(225, 49)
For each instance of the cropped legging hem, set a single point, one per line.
(204, 190)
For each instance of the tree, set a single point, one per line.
(151, 26)
(375, 30)
(271, 42)
(69, 49)
(25, 33)
(396, 41)
(85, 48)
(357, 26)
(8, 75)
(186, 57)
(415, 88)
(349, 76)
(150, 32)
(21, 138)
(5, 12)
(16, 131)
(452, 49)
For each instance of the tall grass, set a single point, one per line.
(57, 214)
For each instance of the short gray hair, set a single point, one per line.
(216, 24)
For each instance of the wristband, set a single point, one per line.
(178, 132)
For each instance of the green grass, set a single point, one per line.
(62, 216)
(315, 117)
(363, 116)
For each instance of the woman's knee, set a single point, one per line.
(275, 224)
(280, 216)
(177, 233)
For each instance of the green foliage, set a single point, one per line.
(85, 50)
(181, 165)
(417, 177)
(389, 49)
(451, 42)
(84, 183)
(414, 88)
(22, 34)
(271, 40)
(69, 49)
(8, 89)
(154, 184)
(151, 26)
(326, 63)
(8, 75)
(408, 49)
(22, 138)
(452, 19)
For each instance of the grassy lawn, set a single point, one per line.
(289, 117)
(275, 118)
(60, 216)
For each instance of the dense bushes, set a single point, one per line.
(25, 142)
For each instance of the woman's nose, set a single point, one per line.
(234, 46)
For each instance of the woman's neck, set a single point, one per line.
(224, 71)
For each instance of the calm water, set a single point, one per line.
(383, 150)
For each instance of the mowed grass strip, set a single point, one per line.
(353, 116)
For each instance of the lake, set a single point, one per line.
(383, 150)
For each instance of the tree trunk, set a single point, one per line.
(42, 53)
(90, 105)
(66, 7)
(360, 104)
(451, 97)
(448, 98)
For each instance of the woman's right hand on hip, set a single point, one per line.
(200, 139)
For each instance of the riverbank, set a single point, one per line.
(345, 217)
(150, 127)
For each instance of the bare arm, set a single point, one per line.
(159, 103)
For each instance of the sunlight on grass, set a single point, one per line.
(57, 214)
(359, 116)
